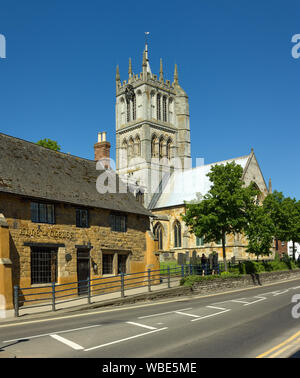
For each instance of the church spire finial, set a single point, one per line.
(130, 68)
(176, 75)
(161, 71)
(117, 73)
(145, 55)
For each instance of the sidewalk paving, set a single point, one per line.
(114, 298)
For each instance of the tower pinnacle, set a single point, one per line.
(161, 72)
(130, 68)
(176, 75)
(117, 73)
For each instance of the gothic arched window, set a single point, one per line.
(128, 111)
(130, 149)
(137, 146)
(171, 110)
(165, 109)
(153, 146)
(134, 108)
(158, 232)
(169, 144)
(177, 235)
(158, 107)
(161, 147)
(123, 157)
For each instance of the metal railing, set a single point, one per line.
(54, 294)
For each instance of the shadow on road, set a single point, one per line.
(296, 355)
(2, 349)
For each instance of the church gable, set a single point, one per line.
(252, 173)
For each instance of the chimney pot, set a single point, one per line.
(102, 150)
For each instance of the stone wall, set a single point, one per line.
(68, 238)
(219, 284)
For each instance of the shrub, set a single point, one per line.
(190, 280)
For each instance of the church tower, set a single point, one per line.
(152, 127)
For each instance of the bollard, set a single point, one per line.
(149, 280)
(122, 286)
(53, 296)
(169, 278)
(16, 300)
(89, 291)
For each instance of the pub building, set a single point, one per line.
(55, 226)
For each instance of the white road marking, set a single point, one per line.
(126, 339)
(217, 308)
(209, 316)
(67, 342)
(259, 300)
(278, 293)
(141, 325)
(184, 313)
(238, 301)
(48, 334)
(164, 313)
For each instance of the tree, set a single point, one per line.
(224, 209)
(292, 228)
(285, 215)
(260, 232)
(48, 143)
(273, 205)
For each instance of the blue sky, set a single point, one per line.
(234, 59)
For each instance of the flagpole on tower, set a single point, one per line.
(146, 37)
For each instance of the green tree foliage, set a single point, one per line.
(260, 232)
(224, 209)
(285, 215)
(48, 143)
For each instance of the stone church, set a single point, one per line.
(153, 151)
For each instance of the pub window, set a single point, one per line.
(118, 222)
(42, 212)
(43, 265)
(122, 264)
(107, 263)
(82, 218)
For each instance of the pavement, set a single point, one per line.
(80, 303)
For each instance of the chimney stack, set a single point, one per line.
(102, 150)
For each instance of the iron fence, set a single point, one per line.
(54, 294)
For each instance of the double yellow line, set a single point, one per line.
(292, 341)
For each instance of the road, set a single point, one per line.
(255, 322)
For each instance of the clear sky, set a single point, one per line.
(234, 59)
